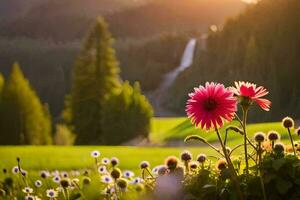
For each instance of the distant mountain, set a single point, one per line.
(65, 20)
(15, 8)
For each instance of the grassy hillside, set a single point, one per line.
(168, 129)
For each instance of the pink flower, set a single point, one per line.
(211, 105)
(254, 93)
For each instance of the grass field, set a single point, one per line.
(168, 129)
(163, 129)
(35, 158)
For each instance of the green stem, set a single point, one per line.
(259, 152)
(149, 172)
(292, 142)
(230, 166)
(245, 113)
(242, 124)
(186, 164)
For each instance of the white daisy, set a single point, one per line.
(137, 180)
(105, 161)
(29, 197)
(155, 169)
(51, 193)
(15, 169)
(102, 170)
(95, 154)
(28, 190)
(106, 179)
(128, 174)
(44, 174)
(56, 179)
(38, 183)
(64, 174)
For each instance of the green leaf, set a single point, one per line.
(283, 186)
(277, 164)
(235, 129)
(195, 137)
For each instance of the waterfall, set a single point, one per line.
(186, 61)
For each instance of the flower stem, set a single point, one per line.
(259, 152)
(245, 113)
(230, 166)
(149, 172)
(292, 142)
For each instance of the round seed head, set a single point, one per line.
(279, 147)
(122, 183)
(38, 183)
(171, 162)
(114, 161)
(193, 165)
(221, 164)
(297, 131)
(65, 183)
(288, 122)
(186, 156)
(273, 135)
(144, 164)
(201, 158)
(259, 137)
(116, 173)
(86, 181)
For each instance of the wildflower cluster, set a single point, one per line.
(210, 106)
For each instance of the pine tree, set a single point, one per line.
(127, 115)
(95, 77)
(23, 119)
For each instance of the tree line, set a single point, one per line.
(260, 45)
(101, 108)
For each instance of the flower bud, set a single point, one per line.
(86, 181)
(186, 156)
(201, 158)
(279, 148)
(171, 162)
(65, 183)
(288, 122)
(221, 164)
(122, 183)
(144, 164)
(273, 135)
(116, 173)
(259, 137)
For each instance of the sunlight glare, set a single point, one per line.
(250, 1)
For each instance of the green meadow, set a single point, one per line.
(35, 158)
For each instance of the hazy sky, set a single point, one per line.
(250, 1)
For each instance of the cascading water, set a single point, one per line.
(169, 78)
